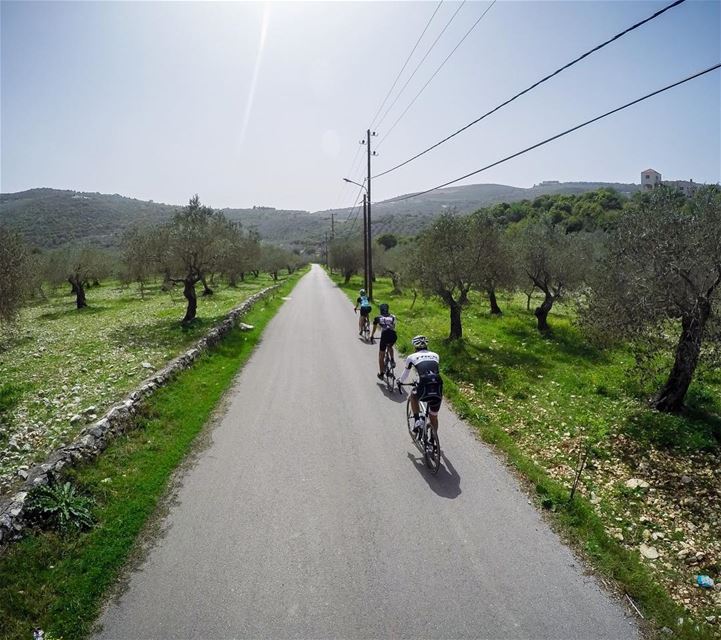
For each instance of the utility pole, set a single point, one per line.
(370, 236)
(326, 249)
(365, 242)
(332, 226)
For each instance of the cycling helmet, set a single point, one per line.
(420, 342)
(362, 292)
(384, 309)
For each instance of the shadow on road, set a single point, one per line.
(446, 483)
(391, 395)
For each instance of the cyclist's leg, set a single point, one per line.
(414, 404)
(433, 409)
(381, 357)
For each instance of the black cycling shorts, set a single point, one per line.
(365, 311)
(388, 339)
(431, 393)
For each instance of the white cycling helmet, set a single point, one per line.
(362, 292)
(420, 342)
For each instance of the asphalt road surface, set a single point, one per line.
(311, 515)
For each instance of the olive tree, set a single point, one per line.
(347, 256)
(138, 256)
(80, 266)
(661, 275)
(193, 236)
(554, 261)
(448, 261)
(15, 264)
(496, 265)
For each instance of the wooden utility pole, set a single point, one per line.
(370, 236)
(365, 242)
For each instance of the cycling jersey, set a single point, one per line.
(430, 384)
(387, 323)
(362, 301)
(425, 362)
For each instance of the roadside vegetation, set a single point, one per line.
(587, 356)
(56, 577)
(81, 326)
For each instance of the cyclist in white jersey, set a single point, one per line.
(430, 384)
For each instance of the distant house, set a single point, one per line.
(650, 179)
(687, 186)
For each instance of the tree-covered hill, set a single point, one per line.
(52, 217)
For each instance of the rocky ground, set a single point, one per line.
(62, 368)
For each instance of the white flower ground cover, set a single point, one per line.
(61, 368)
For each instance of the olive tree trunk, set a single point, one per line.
(542, 312)
(673, 393)
(79, 291)
(495, 309)
(189, 293)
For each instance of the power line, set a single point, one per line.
(559, 135)
(534, 85)
(423, 88)
(418, 66)
(405, 64)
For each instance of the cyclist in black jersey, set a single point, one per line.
(387, 323)
(430, 384)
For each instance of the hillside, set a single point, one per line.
(52, 217)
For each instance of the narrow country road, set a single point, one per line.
(311, 516)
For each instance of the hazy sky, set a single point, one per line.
(264, 103)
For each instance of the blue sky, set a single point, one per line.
(153, 99)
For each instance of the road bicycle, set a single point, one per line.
(426, 438)
(366, 330)
(389, 374)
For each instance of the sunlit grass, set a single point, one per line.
(59, 361)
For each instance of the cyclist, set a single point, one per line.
(364, 305)
(430, 384)
(387, 323)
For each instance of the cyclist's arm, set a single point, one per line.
(406, 372)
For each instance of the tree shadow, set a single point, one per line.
(446, 483)
(90, 310)
(692, 430)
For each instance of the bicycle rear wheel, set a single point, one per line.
(432, 449)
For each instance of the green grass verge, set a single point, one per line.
(537, 399)
(58, 583)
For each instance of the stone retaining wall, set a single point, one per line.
(95, 438)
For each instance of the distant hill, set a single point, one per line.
(52, 217)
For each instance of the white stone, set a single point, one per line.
(648, 552)
(636, 483)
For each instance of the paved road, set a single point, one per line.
(312, 516)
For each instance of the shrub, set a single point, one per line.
(60, 507)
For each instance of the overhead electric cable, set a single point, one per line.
(418, 66)
(405, 64)
(423, 88)
(557, 136)
(534, 85)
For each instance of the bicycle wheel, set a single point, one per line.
(432, 449)
(411, 422)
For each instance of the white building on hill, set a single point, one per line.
(650, 179)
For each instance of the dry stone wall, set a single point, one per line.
(120, 418)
